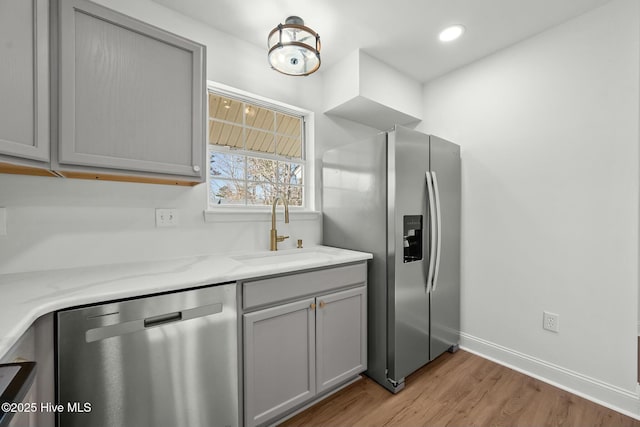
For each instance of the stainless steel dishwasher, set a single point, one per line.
(163, 360)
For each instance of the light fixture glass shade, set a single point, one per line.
(293, 48)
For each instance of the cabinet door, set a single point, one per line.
(132, 96)
(25, 350)
(279, 360)
(24, 79)
(26, 419)
(341, 327)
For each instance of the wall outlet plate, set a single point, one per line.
(551, 321)
(166, 217)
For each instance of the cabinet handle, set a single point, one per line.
(313, 306)
(196, 168)
(322, 304)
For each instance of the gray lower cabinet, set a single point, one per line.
(279, 346)
(36, 345)
(131, 97)
(24, 82)
(26, 418)
(297, 351)
(341, 345)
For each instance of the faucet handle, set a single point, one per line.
(281, 238)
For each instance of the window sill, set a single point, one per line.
(243, 215)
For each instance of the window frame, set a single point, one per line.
(307, 159)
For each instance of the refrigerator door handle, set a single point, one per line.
(432, 220)
(439, 238)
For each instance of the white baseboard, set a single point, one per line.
(624, 401)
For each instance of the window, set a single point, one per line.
(256, 152)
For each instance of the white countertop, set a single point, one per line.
(26, 296)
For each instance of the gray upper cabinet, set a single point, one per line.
(131, 97)
(24, 82)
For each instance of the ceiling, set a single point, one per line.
(401, 33)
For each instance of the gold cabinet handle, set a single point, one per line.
(313, 306)
(322, 304)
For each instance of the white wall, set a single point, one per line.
(549, 136)
(58, 223)
(61, 223)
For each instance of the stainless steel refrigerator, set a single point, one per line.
(397, 196)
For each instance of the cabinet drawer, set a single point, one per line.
(282, 288)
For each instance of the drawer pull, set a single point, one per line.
(312, 306)
(322, 304)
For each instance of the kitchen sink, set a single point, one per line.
(286, 257)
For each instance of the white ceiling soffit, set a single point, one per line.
(401, 33)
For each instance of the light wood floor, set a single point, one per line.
(460, 389)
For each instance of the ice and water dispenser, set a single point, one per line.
(412, 237)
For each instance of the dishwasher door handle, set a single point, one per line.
(150, 322)
(97, 334)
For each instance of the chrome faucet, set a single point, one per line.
(274, 233)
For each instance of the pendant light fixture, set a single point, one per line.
(293, 48)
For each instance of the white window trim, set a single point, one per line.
(233, 213)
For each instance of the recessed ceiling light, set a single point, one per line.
(451, 33)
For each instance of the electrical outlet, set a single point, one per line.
(166, 217)
(551, 321)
